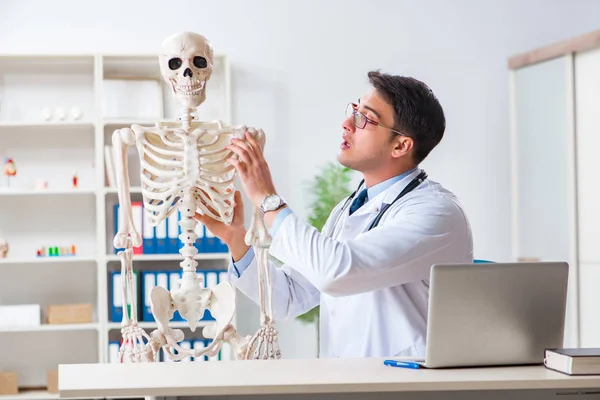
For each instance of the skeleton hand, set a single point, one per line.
(137, 345)
(258, 234)
(264, 344)
(239, 344)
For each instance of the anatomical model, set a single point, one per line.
(184, 168)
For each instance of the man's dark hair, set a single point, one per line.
(417, 112)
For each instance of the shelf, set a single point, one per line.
(30, 395)
(45, 192)
(153, 325)
(47, 260)
(128, 122)
(53, 328)
(40, 395)
(132, 189)
(51, 150)
(46, 124)
(171, 257)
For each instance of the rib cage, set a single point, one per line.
(174, 162)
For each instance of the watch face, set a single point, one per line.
(271, 202)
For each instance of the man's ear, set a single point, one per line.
(403, 145)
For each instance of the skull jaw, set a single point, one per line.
(190, 101)
(190, 98)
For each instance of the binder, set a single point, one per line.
(148, 282)
(186, 344)
(199, 344)
(113, 351)
(201, 239)
(170, 280)
(137, 209)
(211, 279)
(210, 240)
(148, 237)
(162, 279)
(161, 237)
(214, 244)
(116, 219)
(173, 232)
(221, 247)
(174, 278)
(116, 295)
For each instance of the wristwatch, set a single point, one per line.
(271, 203)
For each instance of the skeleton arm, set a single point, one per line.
(295, 295)
(122, 139)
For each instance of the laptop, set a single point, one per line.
(494, 314)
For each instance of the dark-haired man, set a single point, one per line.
(369, 267)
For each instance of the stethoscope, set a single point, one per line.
(385, 206)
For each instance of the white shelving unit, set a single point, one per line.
(51, 151)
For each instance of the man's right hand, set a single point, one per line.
(234, 234)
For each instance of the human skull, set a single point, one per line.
(186, 63)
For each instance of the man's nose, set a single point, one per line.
(188, 73)
(348, 125)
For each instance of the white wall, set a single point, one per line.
(297, 63)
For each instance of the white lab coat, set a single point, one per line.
(373, 287)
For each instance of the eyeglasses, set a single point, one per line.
(360, 120)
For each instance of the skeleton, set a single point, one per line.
(184, 167)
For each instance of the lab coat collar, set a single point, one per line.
(387, 196)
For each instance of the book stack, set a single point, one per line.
(581, 361)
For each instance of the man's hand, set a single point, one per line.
(234, 234)
(252, 168)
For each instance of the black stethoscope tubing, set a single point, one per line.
(385, 206)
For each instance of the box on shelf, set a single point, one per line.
(9, 383)
(20, 316)
(52, 381)
(70, 313)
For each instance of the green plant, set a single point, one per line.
(329, 187)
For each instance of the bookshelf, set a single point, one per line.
(57, 113)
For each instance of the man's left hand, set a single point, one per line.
(252, 168)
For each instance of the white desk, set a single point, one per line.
(342, 377)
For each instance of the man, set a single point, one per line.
(372, 284)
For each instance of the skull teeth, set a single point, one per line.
(190, 89)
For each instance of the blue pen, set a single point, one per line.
(402, 364)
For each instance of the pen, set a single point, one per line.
(402, 364)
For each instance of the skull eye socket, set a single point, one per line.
(175, 63)
(200, 62)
